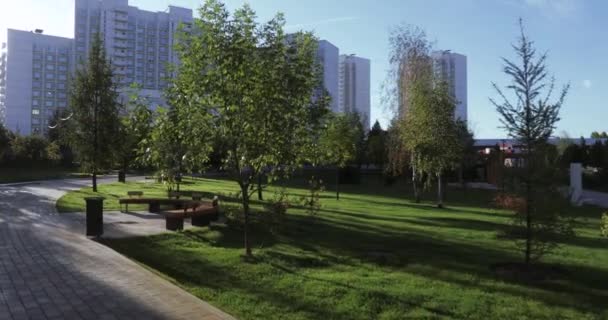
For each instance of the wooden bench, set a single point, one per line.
(195, 195)
(155, 203)
(131, 195)
(201, 215)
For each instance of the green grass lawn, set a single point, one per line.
(372, 255)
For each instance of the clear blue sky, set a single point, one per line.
(572, 31)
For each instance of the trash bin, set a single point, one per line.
(94, 216)
(122, 176)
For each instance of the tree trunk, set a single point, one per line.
(415, 185)
(94, 179)
(439, 191)
(260, 195)
(338, 183)
(245, 197)
(528, 220)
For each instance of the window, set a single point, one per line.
(48, 103)
(62, 95)
(49, 85)
(61, 85)
(50, 76)
(49, 94)
(35, 112)
(37, 65)
(61, 104)
(63, 59)
(63, 68)
(36, 84)
(35, 121)
(37, 75)
(50, 58)
(36, 93)
(50, 67)
(35, 102)
(63, 77)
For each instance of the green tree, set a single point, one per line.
(135, 128)
(257, 84)
(596, 155)
(410, 64)
(5, 142)
(34, 150)
(466, 142)
(339, 142)
(397, 155)
(431, 134)
(531, 120)
(93, 102)
(376, 151)
(59, 132)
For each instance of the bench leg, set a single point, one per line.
(174, 224)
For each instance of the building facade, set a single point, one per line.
(3, 56)
(452, 68)
(328, 56)
(35, 69)
(36, 74)
(354, 87)
(138, 42)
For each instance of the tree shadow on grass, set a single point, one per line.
(410, 245)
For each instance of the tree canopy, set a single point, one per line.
(95, 108)
(256, 85)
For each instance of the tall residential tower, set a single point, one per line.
(328, 56)
(139, 43)
(354, 87)
(452, 67)
(34, 79)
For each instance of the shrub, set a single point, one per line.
(312, 201)
(510, 202)
(275, 211)
(604, 224)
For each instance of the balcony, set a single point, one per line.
(120, 35)
(120, 54)
(120, 62)
(121, 16)
(120, 71)
(121, 44)
(120, 26)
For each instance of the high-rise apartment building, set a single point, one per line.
(33, 79)
(452, 67)
(328, 56)
(139, 43)
(354, 87)
(35, 69)
(3, 55)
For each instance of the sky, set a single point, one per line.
(572, 32)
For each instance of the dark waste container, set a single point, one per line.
(122, 176)
(94, 216)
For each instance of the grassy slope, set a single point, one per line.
(374, 255)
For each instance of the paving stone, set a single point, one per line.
(50, 270)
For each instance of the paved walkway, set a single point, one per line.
(49, 270)
(595, 198)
